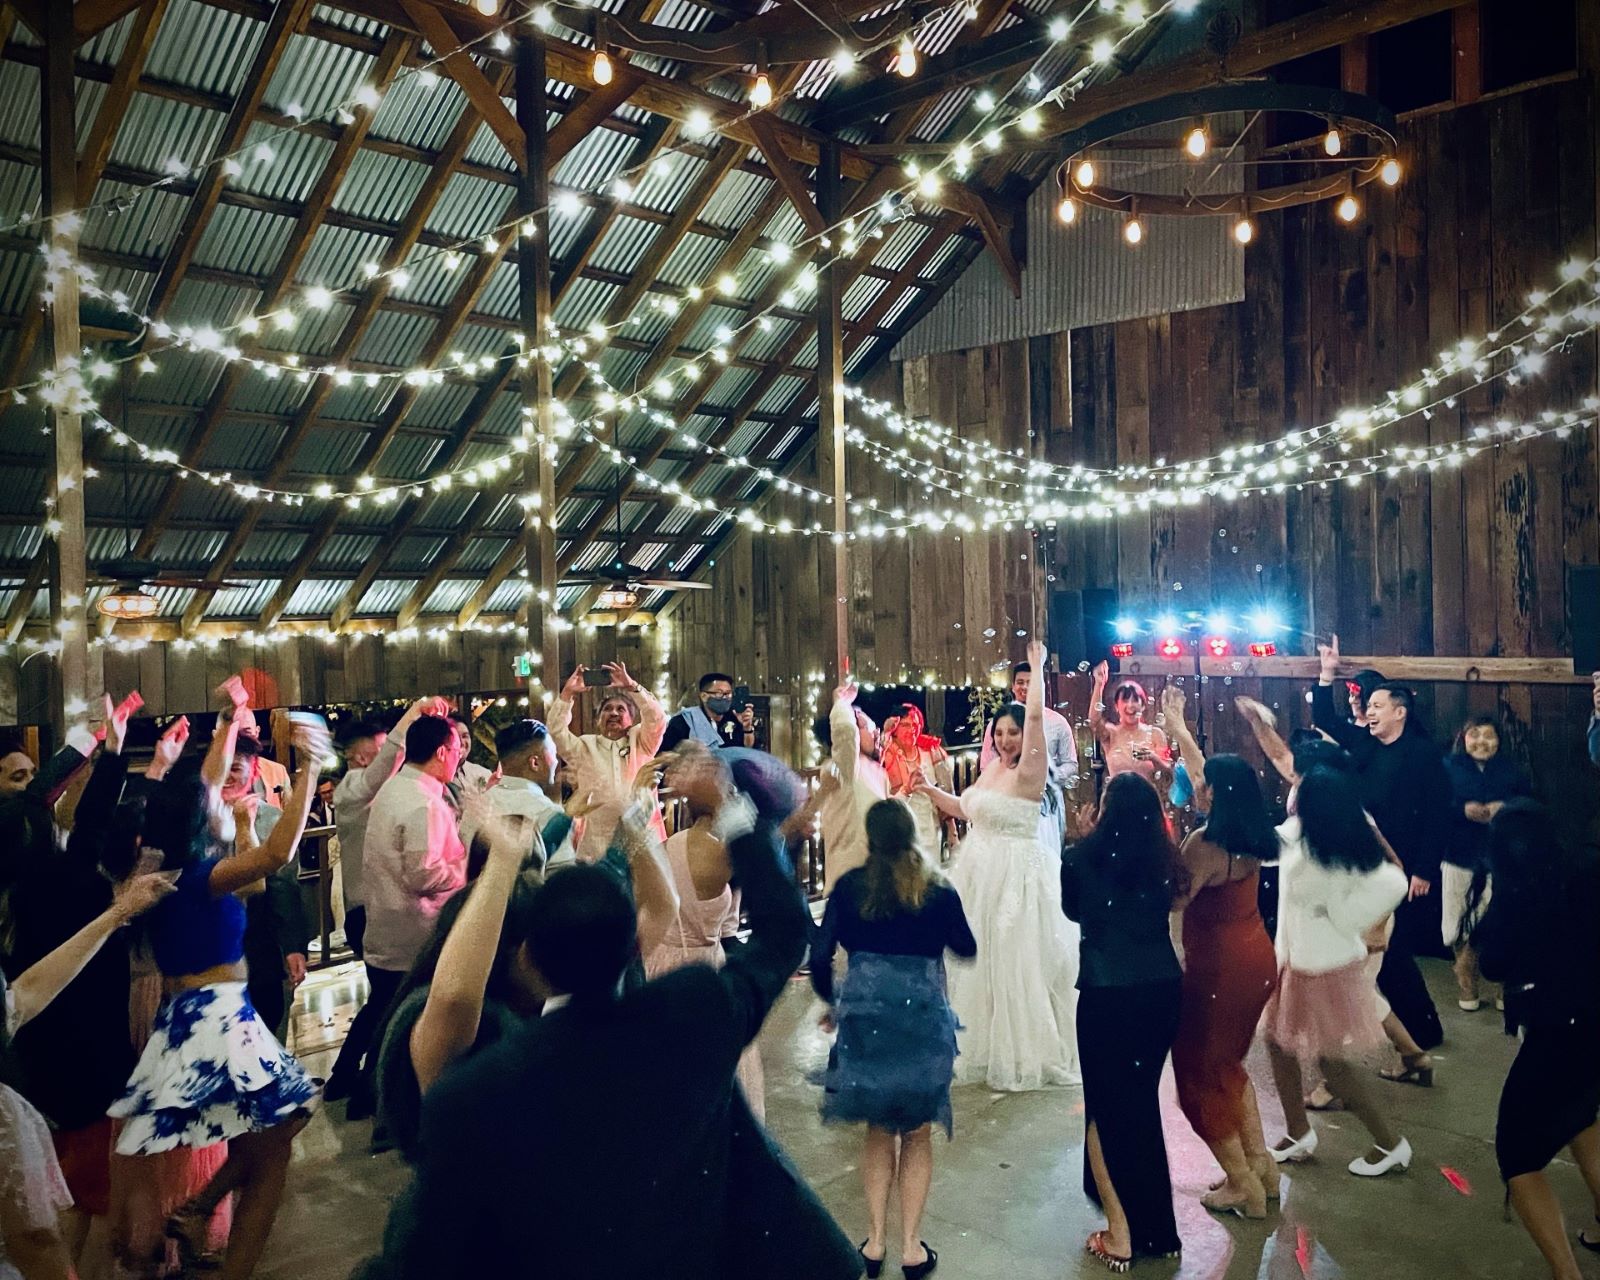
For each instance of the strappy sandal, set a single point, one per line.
(1095, 1247)
(874, 1266)
(183, 1229)
(1411, 1071)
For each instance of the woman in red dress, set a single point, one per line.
(1229, 971)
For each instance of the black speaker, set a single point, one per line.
(1082, 625)
(1583, 616)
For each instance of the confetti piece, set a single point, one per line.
(1456, 1179)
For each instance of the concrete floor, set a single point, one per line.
(1006, 1199)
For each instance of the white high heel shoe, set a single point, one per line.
(1399, 1158)
(1302, 1148)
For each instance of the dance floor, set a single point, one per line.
(1006, 1200)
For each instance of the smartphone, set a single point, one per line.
(596, 677)
(741, 698)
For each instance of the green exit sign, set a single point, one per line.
(524, 665)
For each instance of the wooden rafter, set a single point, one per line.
(90, 17)
(317, 203)
(788, 176)
(91, 164)
(488, 392)
(458, 64)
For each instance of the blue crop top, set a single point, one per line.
(190, 930)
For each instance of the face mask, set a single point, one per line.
(719, 706)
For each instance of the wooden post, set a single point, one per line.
(533, 299)
(1466, 53)
(68, 566)
(830, 404)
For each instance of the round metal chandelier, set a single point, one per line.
(1352, 146)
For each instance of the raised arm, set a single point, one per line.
(560, 715)
(1033, 767)
(43, 981)
(655, 895)
(944, 801)
(448, 1026)
(1173, 704)
(312, 745)
(845, 733)
(1097, 694)
(361, 786)
(97, 806)
(1325, 713)
(1264, 725)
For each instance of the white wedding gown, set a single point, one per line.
(1016, 1000)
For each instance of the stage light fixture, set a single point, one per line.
(1263, 649)
(1122, 649)
(1167, 625)
(1262, 622)
(1219, 646)
(1126, 628)
(1218, 622)
(1170, 648)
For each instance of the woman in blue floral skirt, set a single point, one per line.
(212, 1071)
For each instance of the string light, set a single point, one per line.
(602, 71)
(1197, 142)
(1348, 209)
(1133, 229)
(1067, 210)
(761, 91)
(1332, 142)
(1389, 173)
(1244, 231)
(1084, 174)
(905, 62)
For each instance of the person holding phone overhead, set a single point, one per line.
(630, 724)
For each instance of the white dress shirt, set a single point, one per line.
(413, 863)
(603, 769)
(862, 783)
(352, 803)
(520, 798)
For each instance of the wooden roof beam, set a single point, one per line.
(91, 17)
(485, 98)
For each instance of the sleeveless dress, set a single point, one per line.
(1229, 971)
(30, 1179)
(1017, 1001)
(695, 937)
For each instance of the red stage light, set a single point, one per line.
(1219, 646)
(1263, 649)
(1170, 648)
(1122, 650)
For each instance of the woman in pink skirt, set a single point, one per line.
(1334, 884)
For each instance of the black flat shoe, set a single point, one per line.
(915, 1271)
(874, 1265)
(1593, 1246)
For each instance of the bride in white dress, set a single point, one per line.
(1017, 1000)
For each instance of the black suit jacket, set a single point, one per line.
(608, 1139)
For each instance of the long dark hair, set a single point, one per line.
(1530, 866)
(1130, 845)
(1238, 822)
(1337, 830)
(177, 819)
(898, 875)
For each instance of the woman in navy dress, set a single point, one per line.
(895, 1056)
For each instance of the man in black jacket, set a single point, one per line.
(608, 1137)
(1405, 788)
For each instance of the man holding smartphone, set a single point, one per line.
(630, 724)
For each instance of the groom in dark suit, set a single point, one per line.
(608, 1137)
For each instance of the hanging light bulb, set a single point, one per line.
(1196, 143)
(1133, 230)
(602, 67)
(906, 57)
(488, 8)
(1067, 210)
(1083, 175)
(1348, 209)
(1332, 143)
(1244, 231)
(1389, 174)
(761, 92)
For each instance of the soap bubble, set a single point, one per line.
(1083, 666)
(988, 633)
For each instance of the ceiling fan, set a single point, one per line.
(623, 581)
(127, 575)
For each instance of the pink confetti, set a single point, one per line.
(1456, 1179)
(1302, 1251)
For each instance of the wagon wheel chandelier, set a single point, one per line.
(1351, 146)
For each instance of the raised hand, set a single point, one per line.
(137, 894)
(232, 690)
(619, 675)
(574, 684)
(1102, 673)
(116, 724)
(845, 692)
(1173, 702)
(1036, 657)
(314, 742)
(1255, 712)
(1329, 656)
(169, 746)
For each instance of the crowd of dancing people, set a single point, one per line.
(533, 939)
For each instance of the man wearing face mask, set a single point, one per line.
(710, 723)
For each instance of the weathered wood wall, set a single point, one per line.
(1468, 562)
